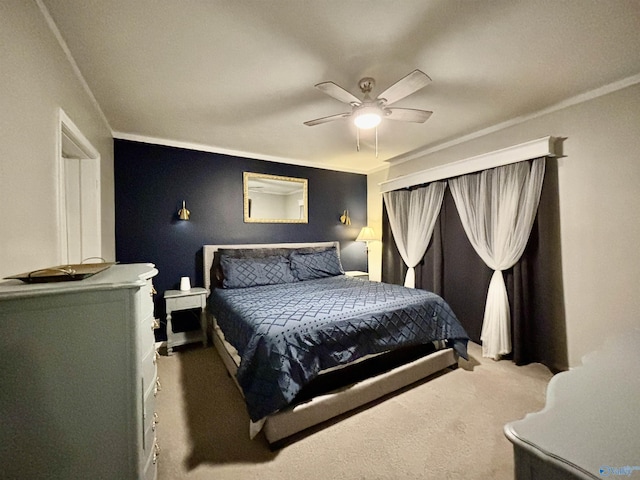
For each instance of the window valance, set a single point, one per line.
(541, 147)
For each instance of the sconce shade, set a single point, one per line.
(345, 219)
(183, 213)
(366, 235)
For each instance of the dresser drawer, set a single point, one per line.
(150, 430)
(150, 418)
(149, 368)
(151, 466)
(146, 337)
(151, 389)
(146, 293)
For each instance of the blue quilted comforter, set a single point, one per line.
(287, 333)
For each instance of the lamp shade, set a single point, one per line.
(366, 235)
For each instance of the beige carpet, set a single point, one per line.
(448, 427)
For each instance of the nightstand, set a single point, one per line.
(177, 300)
(357, 274)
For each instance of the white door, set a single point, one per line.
(79, 210)
(82, 210)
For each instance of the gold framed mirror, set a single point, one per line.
(274, 199)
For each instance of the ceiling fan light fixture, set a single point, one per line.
(368, 112)
(367, 117)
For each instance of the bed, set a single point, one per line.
(304, 342)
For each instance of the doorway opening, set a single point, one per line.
(79, 206)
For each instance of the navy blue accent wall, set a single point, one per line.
(152, 180)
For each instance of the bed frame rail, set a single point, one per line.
(286, 423)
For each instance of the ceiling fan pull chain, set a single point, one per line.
(376, 142)
(357, 139)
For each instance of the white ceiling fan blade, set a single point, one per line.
(405, 87)
(408, 114)
(330, 118)
(339, 93)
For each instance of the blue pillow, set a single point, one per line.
(251, 272)
(308, 266)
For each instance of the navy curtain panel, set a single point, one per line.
(452, 269)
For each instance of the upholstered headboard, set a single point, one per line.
(208, 252)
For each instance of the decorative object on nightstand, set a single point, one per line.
(357, 274)
(177, 300)
(366, 235)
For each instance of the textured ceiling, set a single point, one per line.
(238, 76)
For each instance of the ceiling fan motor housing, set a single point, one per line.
(366, 84)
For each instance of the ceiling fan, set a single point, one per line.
(369, 112)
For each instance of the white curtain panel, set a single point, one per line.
(412, 215)
(497, 208)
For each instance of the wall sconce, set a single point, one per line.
(183, 213)
(366, 235)
(345, 219)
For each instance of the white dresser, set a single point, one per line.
(590, 426)
(78, 377)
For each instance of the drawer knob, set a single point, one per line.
(156, 324)
(157, 388)
(156, 452)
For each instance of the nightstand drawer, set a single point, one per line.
(183, 303)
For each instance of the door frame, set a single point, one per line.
(72, 142)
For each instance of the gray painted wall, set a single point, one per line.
(598, 209)
(36, 80)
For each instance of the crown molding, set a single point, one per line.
(225, 151)
(575, 100)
